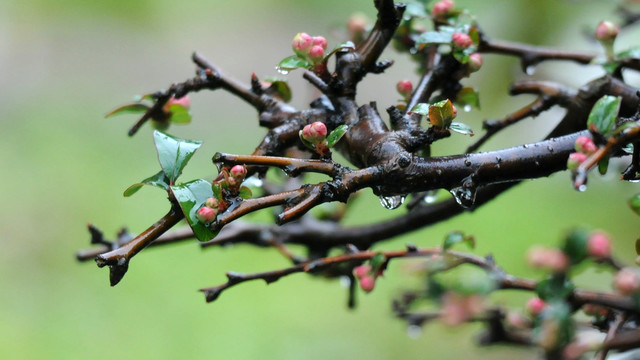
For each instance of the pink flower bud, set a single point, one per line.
(404, 87)
(238, 172)
(607, 31)
(302, 43)
(599, 245)
(441, 8)
(535, 306)
(183, 101)
(367, 283)
(461, 40)
(212, 203)
(320, 41)
(206, 214)
(357, 25)
(585, 145)
(626, 281)
(316, 53)
(575, 159)
(475, 62)
(549, 259)
(314, 132)
(361, 271)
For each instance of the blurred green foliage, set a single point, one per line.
(66, 63)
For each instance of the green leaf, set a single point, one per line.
(575, 245)
(554, 287)
(433, 37)
(158, 180)
(216, 188)
(293, 62)
(461, 128)
(245, 192)
(633, 52)
(468, 96)
(179, 114)
(441, 114)
(602, 117)
(556, 319)
(173, 153)
(282, 88)
(610, 67)
(191, 196)
(305, 142)
(336, 135)
(456, 237)
(129, 108)
(421, 108)
(415, 9)
(377, 262)
(603, 165)
(634, 203)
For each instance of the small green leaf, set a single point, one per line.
(634, 203)
(602, 117)
(433, 37)
(603, 165)
(554, 287)
(575, 245)
(139, 98)
(158, 180)
(377, 262)
(129, 108)
(282, 88)
(421, 108)
(441, 114)
(468, 96)
(216, 188)
(305, 142)
(293, 62)
(633, 52)
(415, 9)
(461, 128)
(610, 67)
(245, 192)
(456, 237)
(174, 153)
(179, 114)
(191, 196)
(336, 135)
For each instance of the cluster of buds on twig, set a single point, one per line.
(229, 181)
(315, 137)
(309, 48)
(584, 148)
(368, 273)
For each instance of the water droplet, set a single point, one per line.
(430, 196)
(413, 51)
(529, 70)
(345, 281)
(414, 331)
(467, 108)
(634, 180)
(391, 202)
(465, 194)
(281, 70)
(253, 181)
(582, 188)
(467, 162)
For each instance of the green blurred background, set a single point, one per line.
(64, 64)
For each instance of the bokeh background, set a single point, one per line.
(64, 64)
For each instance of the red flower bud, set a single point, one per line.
(626, 281)
(404, 87)
(475, 62)
(361, 271)
(607, 31)
(461, 40)
(575, 159)
(206, 214)
(441, 8)
(238, 172)
(302, 43)
(535, 306)
(314, 132)
(367, 283)
(316, 53)
(585, 145)
(212, 203)
(320, 41)
(599, 245)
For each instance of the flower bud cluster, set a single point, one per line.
(310, 48)
(366, 276)
(584, 148)
(209, 211)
